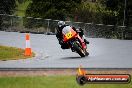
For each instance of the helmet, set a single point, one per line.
(61, 23)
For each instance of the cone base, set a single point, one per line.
(28, 52)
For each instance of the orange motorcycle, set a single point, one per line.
(74, 41)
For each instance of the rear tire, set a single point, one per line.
(78, 49)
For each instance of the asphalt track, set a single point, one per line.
(104, 53)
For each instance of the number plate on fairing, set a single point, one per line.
(68, 35)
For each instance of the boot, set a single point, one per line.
(86, 41)
(64, 46)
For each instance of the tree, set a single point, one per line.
(112, 4)
(53, 9)
(119, 7)
(6, 7)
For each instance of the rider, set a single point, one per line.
(59, 35)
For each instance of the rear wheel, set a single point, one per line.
(77, 48)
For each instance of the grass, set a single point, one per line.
(10, 53)
(51, 82)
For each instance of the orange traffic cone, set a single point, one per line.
(28, 48)
(81, 71)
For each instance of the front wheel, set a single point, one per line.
(86, 53)
(78, 49)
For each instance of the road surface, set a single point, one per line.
(104, 53)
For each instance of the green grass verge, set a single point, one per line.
(51, 82)
(10, 53)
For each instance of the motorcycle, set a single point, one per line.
(74, 41)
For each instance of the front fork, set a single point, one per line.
(84, 45)
(79, 45)
(71, 44)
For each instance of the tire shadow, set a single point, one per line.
(64, 58)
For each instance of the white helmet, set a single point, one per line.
(61, 23)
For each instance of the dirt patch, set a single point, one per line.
(11, 73)
(37, 73)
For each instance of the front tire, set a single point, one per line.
(78, 49)
(86, 53)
